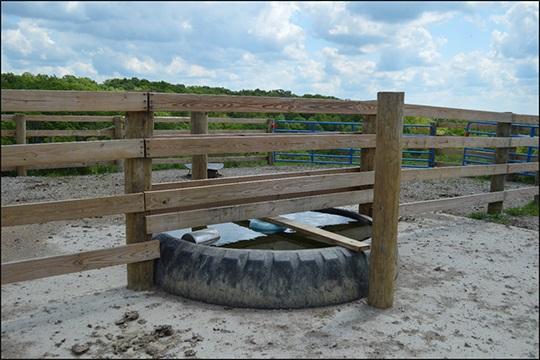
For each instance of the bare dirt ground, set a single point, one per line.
(466, 288)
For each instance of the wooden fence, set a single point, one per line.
(116, 131)
(152, 208)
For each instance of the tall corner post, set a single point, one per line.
(504, 129)
(383, 258)
(20, 138)
(367, 159)
(138, 178)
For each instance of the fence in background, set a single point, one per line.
(348, 156)
(115, 130)
(478, 155)
(152, 208)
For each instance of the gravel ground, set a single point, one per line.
(465, 290)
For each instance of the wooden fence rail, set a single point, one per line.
(152, 208)
(116, 131)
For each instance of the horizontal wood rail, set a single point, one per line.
(211, 120)
(183, 219)
(162, 147)
(33, 213)
(48, 100)
(196, 145)
(464, 171)
(61, 166)
(211, 131)
(227, 191)
(462, 201)
(178, 220)
(48, 133)
(265, 104)
(244, 178)
(158, 119)
(185, 160)
(407, 174)
(442, 142)
(163, 199)
(83, 261)
(62, 118)
(70, 152)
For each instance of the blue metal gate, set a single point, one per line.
(476, 155)
(345, 156)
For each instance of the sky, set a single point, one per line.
(473, 55)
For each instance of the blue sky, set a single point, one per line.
(460, 54)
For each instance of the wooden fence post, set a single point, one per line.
(118, 134)
(367, 158)
(382, 263)
(269, 129)
(138, 178)
(199, 163)
(504, 129)
(20, 138)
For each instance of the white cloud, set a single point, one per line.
(27, 38)
(519, 39)
(134, 64)
(350, 50)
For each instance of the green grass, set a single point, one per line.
(530, 209)
(496, 218)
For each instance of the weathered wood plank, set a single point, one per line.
(244, 178)
(199, 163)
(407, 174)
(367, 158)
(138, 178)
(525, 119)
(185, 160)
(46, 133)
(20, 138)
(7, 133)
(440, 142)
(463, 171)
(163, 199)
(319, 234)
(212, 120)
(455, 113)
(33, 213)
(463, 201)
(69, 118)
(46, 100)
(51, 153)
(161, 147)
(88, 260)
(227, 103)
(7, 117)
(501, 157)
(382, 261)
(217, 215)
(61, 166)
(212, 131)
